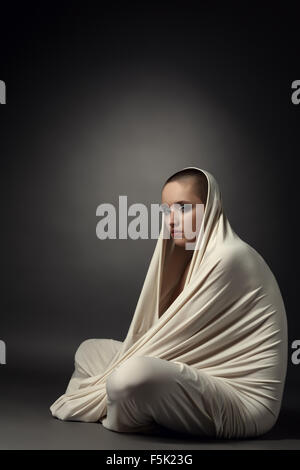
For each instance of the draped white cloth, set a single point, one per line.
(229, 323)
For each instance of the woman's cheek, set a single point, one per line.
(189, 225)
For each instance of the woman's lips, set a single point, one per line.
(174, 232)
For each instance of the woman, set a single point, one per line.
(206, 350)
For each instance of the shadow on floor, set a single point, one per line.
(286, 427)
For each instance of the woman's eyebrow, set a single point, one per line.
(182, 202)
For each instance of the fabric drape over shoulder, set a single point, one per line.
(229, 322)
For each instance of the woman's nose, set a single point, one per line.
(172, 217)
(175, 218)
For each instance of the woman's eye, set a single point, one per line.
(185, 207)
(182, 208)
(165, 209)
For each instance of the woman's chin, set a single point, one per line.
(182, 242)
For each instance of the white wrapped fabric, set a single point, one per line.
(228, 325)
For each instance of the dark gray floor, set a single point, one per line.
(26, 423)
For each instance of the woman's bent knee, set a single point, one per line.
(82, 348)
(85, 348)
(131, 377)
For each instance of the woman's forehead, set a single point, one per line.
(179, 191)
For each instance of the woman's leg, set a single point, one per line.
(91, 358)
(145, 393)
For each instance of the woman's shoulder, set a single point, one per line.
(238, 257)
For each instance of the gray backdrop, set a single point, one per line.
(108, 102)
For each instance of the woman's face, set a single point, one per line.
(182, 221)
